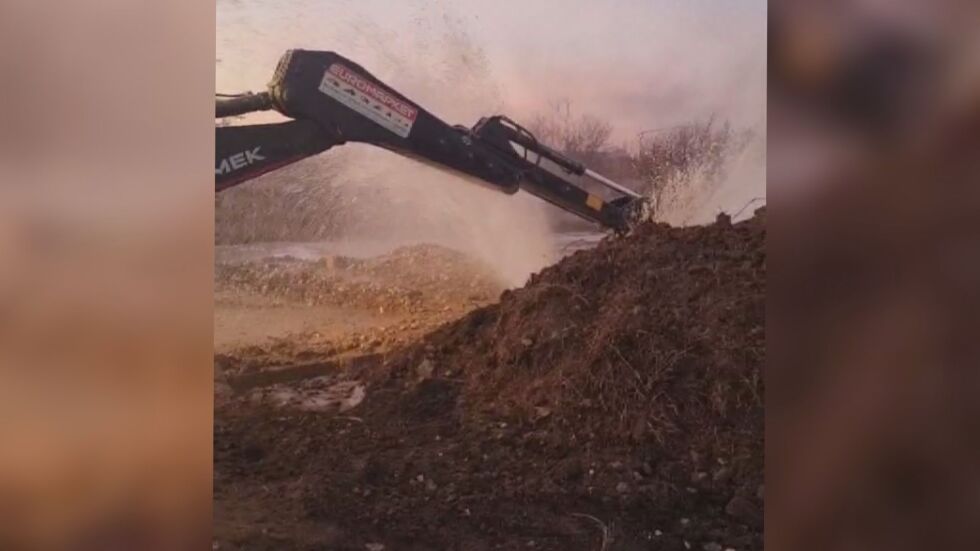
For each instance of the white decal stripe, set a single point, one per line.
(368, 99)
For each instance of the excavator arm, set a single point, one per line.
(332, 101)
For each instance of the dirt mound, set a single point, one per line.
(658, 338)
(615, 402)
(409, 279)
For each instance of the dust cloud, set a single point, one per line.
(421, 204)
(738, 190)
(442, 69)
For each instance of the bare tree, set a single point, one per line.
(581, 137)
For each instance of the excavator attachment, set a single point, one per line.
(334, 101)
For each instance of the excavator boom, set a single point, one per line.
(332, 101)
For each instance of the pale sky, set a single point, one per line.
(640, 64)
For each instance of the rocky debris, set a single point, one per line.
(744, 510)
(722, 475)
(425, 369)
(317, 394)
(420, 278)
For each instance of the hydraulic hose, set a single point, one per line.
(230, 106)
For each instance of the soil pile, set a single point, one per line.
(615, 403)
(658, 338)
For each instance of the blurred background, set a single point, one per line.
(874, 121)
(106, 224)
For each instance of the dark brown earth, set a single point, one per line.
(614, 402)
